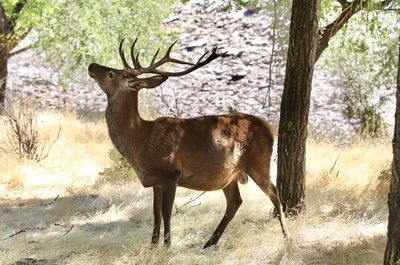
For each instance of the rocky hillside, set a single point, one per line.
(239, 80)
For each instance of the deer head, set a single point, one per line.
(110, 80)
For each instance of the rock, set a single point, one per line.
(171, 19)
(197, 43)
(238, 76)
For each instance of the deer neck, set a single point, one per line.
(124, 122)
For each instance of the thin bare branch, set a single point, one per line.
(69, 230)
(178, 209)
(14, 234)
(271, 60)
(23, 139)
(52, 201)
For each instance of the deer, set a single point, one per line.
(205, 153)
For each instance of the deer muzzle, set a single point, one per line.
(93, 69)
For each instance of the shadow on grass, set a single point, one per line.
(361, 251)
(47, 231)
(30, 261)
(105, 240)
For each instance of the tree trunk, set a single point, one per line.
(295, 104)
(392, 253)
(8, 41)
(5, 28)
(3, 76)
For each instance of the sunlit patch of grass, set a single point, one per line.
(69, 215)
(74, 160)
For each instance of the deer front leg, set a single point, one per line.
(157, 205)
(168, 196)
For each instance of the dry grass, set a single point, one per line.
(345, 220)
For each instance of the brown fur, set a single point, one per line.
(206, 153)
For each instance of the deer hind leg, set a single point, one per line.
(157, 206)
(233, 202)
(168, 196)
(269, 188)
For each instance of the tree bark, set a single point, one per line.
(295, 104)
(5, 28)
(8, 41)
(3, 76)
(392, 253)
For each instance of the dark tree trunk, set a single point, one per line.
(303, 37)
(8, 41)
(392, 253)
(3, 76)
(5, 30)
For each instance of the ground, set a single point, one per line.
(62, 211)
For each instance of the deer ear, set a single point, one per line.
(152, 82)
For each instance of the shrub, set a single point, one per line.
(362, 57)
(120, 169)
(360, 110)
(23, 139)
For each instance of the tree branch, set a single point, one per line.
(20, 51)
(5, 25)
(17, 39)
(8, 39)
(16, 11)
(344, 3)
(330, 30)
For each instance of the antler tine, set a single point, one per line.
(152, 68)
(163, 60)
(155, 56)
(201, 58)
(199, 64)
(172, 60)
(135, 61)
(170, 48)
(122, 55)
(166, 59)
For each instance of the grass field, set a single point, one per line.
(66, 213)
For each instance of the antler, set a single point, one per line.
(152, 68)
(127, 68)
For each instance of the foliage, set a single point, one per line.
(363, 57)
(119, 171)
(30, 16)
(232, 109)
(78, 32)
(23, 140)
(251, 4)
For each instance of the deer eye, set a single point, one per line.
(111, 74)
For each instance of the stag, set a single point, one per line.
(205, 153)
